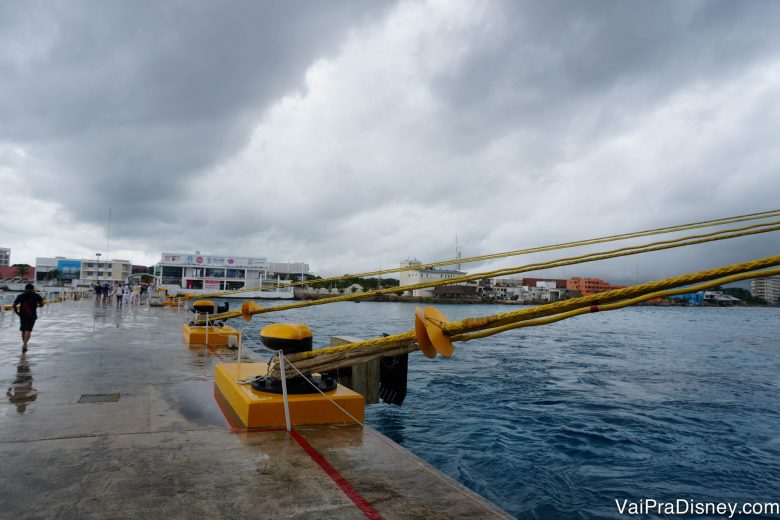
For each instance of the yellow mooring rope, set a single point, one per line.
(618, 305)
(252, 308)
(539, 249)
(480, 327)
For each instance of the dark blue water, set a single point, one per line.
(559, 421)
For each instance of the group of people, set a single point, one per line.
(27, 303)
(123, 293)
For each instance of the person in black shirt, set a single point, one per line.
(26, 307)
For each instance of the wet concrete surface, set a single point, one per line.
(164, 448)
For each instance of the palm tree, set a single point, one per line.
(21, 270)
(54, 274)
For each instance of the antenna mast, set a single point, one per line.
(457, 251)
(108, 232)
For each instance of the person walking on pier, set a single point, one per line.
(26, 307)
(126, 294)
(117, 292)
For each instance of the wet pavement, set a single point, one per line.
(163, 448)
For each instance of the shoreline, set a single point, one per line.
(480, 301)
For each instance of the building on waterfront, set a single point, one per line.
(5, 256)
(551, 283)
(706, 298)
(415, 276)
(523, 290)
(499, 288)
(287, 268)
(541, 291)
(695, 298)
(80, 271)
(114, 270)
(44, 265)
(588, 286)
(536, 290)
(221, 273)
(768, 289)
(456, 292)
(69, 269)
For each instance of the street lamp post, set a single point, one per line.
(97, 271)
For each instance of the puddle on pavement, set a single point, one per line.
(21, 392)
(194, 400)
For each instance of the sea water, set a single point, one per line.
(570, 419)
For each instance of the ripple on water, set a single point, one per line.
(559, 421)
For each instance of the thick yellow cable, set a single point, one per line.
(472, 324)
(617, 305)
(539, 249)
(591, 257)
(453, 329)
(328, 358)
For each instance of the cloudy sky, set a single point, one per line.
(352, 134)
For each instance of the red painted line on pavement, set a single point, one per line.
(216, 354)
(362, 504)
(365, 507)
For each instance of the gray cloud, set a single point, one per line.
(133, 99)
(352, 135)
(554, 65)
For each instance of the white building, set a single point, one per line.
(541, 292)
(767, 289)
(416, 276)
(94, 271)
(81, 271)
(718, 298)
(194, 271)
(5, 256)
(285, 268)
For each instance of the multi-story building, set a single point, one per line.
(768, 289)
(541, 291)
(529, 290)
(97, 271)
(415, 276)
(5, 256)
(287, 268)
(43, 266)
(79, 271)
(220, 273)
(549, 283)
(525, 290)
(69, 269)
(588, 286)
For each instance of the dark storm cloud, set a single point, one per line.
(545, 61)
(128, 100)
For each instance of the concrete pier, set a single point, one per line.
(109, 415)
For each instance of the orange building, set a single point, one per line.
(588, 286)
